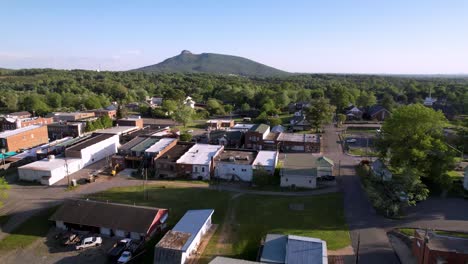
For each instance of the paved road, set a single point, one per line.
(449, 214)
(364, 223)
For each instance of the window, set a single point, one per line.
(286, 179)
(196, 169)
(244, 170)
(203, 169)
(310, 181)
(233, 169)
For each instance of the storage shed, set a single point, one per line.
(110, 219)
(182, 241)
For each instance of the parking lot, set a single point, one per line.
(360, 143)
(51, 250)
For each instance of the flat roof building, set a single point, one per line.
(117, 130)
(267, 160)
(49, 171)
(235, 165)
(94, 149)
(198, 160)
(23, 138)
(180, 243)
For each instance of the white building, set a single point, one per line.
(180, 243)
(94, 149)
(235, 165)
(160, 147)
(189, 102)
(49, 171)
(118, 130)
(294, 249)
(266, 160)
(198, 160)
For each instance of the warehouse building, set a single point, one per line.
(180, 243)
(94, 149)
(49, 171)
(110, 219)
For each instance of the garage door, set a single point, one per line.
(105, 231)
(120, 233)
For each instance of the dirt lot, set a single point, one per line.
(49, 250)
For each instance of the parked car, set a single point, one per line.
(328, 178)
(89, 242)
(351, 140)
(125, 257)
(119, 247)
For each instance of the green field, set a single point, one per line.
(244, 219)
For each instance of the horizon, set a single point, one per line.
(334, 37)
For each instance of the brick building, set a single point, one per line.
(219, 124)
(131, 121)
(67, 129)
(111, 113)
(255, 136)
(23, 138)
(73, 116)
(21, 119)
(429, 247)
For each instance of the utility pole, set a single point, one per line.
(339, 168)
(358, 245)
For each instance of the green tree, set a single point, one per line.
(186, 137)
(35, 103)
(319, 112)
(366, 99)
(183, 114)
(92, 102)
(245, 107)
(54, 100)
(413, 138)
(341, 119)
(169, 106)
(121, 112)
(214, 107)
(388, 102)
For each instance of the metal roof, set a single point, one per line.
(185, 231)
(294, 249)
(144, 145)
(224, 260)
(260, 128)
(296, 137)
(50, 164)
(118, 130)
(299, 164)
(160, 145)
(265, 158)
(89, 142)
(200, 154)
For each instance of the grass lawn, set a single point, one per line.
(407, 231)
(362, 152)
(248, 217)
(24, 235)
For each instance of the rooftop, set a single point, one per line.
(446, 243)
(237, 156)
(22, 113)
(87, 143)
(160, 145)
(242, 127)
(224, 260)
(293, 249)
(260, 128)
(265, 158)
(174, 240)
(144, 145)
(192, 222)
(131, 118)
(295, 137)
(10, 133)
(132, 143)
(300, 164)
(111, 215)
(117, 130)
(49, 164)
(176, 152)
(200, 154)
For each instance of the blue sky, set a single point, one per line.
(298, 36)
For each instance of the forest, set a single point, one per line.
(45, 90)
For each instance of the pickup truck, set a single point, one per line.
(89, 242)
(118, 248)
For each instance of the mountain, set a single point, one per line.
(213, 63)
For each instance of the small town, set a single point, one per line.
(237, 132)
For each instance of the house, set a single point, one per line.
(197, 162)
(429, 247)
(299, 123)
(429, 101)
(465, 180)
(302, 170)
(189, 102)
(67, 129)
(23, 138)
(134, 121)
(94, 149)
(377, 112)
(293, 142)
(255, 135)
(181, 243)
(231, 139)
(49, 171)
(11, 123)
(236, 165)
(379, 169)
(110, 219)
(298, 106)
(155, 101)
(290, 249)
(242, 127)
(166, 165)
(219, 124)
(353, 113)
(266, 160)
